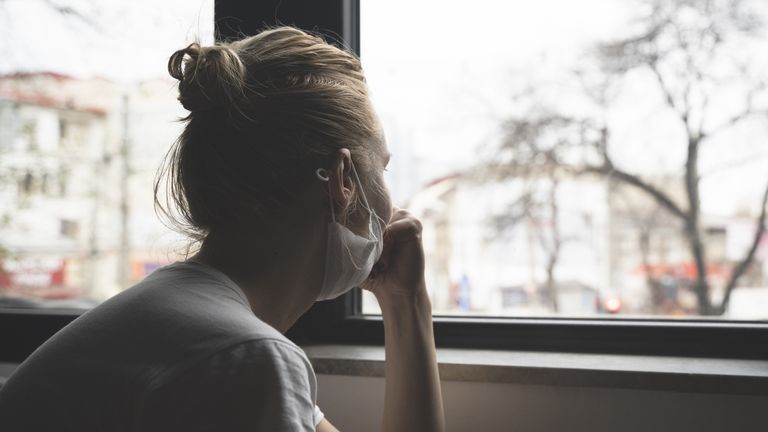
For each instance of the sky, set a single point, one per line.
(122, 40)
(443, 75)
(445, 80)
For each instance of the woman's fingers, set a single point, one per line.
(404, 229)
(402, 247)
(399, 215)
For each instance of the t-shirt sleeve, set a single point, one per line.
(263, 385)
(318, 416)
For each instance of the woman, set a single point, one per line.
(279, 174)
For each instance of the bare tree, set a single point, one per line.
(682, 46)
(535, 145)
(537, 208)
(650, 225)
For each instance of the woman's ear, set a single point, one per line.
(341, 184)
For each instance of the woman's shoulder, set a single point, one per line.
(273, 365)
(276, 351)
(209, 316)
(262, 384)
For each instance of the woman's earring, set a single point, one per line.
(322, 174)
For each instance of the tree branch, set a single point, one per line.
(663, 199)
(746, 113)
(73, 12)
(703, 118)
(730, 122)
(742, 267)
(729, 165)
(668, 96)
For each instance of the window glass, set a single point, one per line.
(87, 110)
(592, 158)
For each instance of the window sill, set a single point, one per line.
(677, 374)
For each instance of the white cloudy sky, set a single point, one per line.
(124, 40)
(442, 72)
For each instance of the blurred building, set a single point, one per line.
(77, 158)
(475, 266)
(620, 252)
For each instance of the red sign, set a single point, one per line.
(36, 277)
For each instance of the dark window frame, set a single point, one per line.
(340, 321)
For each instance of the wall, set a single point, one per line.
(355, 404)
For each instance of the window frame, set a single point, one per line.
(340, 321)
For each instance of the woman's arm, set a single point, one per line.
(325, 426)
(413, 401)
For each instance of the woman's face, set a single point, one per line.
(379, 197)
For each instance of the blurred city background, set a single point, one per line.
(595, 158)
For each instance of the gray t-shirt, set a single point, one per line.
(181, 350)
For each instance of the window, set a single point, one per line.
(597, 158)
(497, 115)
(526, 256)
(85, 123)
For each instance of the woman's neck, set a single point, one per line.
(279, 269)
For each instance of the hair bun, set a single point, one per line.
(209, 77)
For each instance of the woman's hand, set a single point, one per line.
(412, 398)
(400, 270)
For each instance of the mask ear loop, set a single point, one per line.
(359, 183)
(322, 174)
(367, 206)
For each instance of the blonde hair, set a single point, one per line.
(265, 112)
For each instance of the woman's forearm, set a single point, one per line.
(412, 401)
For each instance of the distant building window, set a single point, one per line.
(62, 182)
(513, 296)
(45, 184)
(26, 182)
(63, 126)
(69, 228)
(29, 135)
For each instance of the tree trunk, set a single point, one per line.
(693, 229)
(700, 283)
(551, 287)
(554, 253)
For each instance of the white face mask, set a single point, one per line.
(349, 257)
